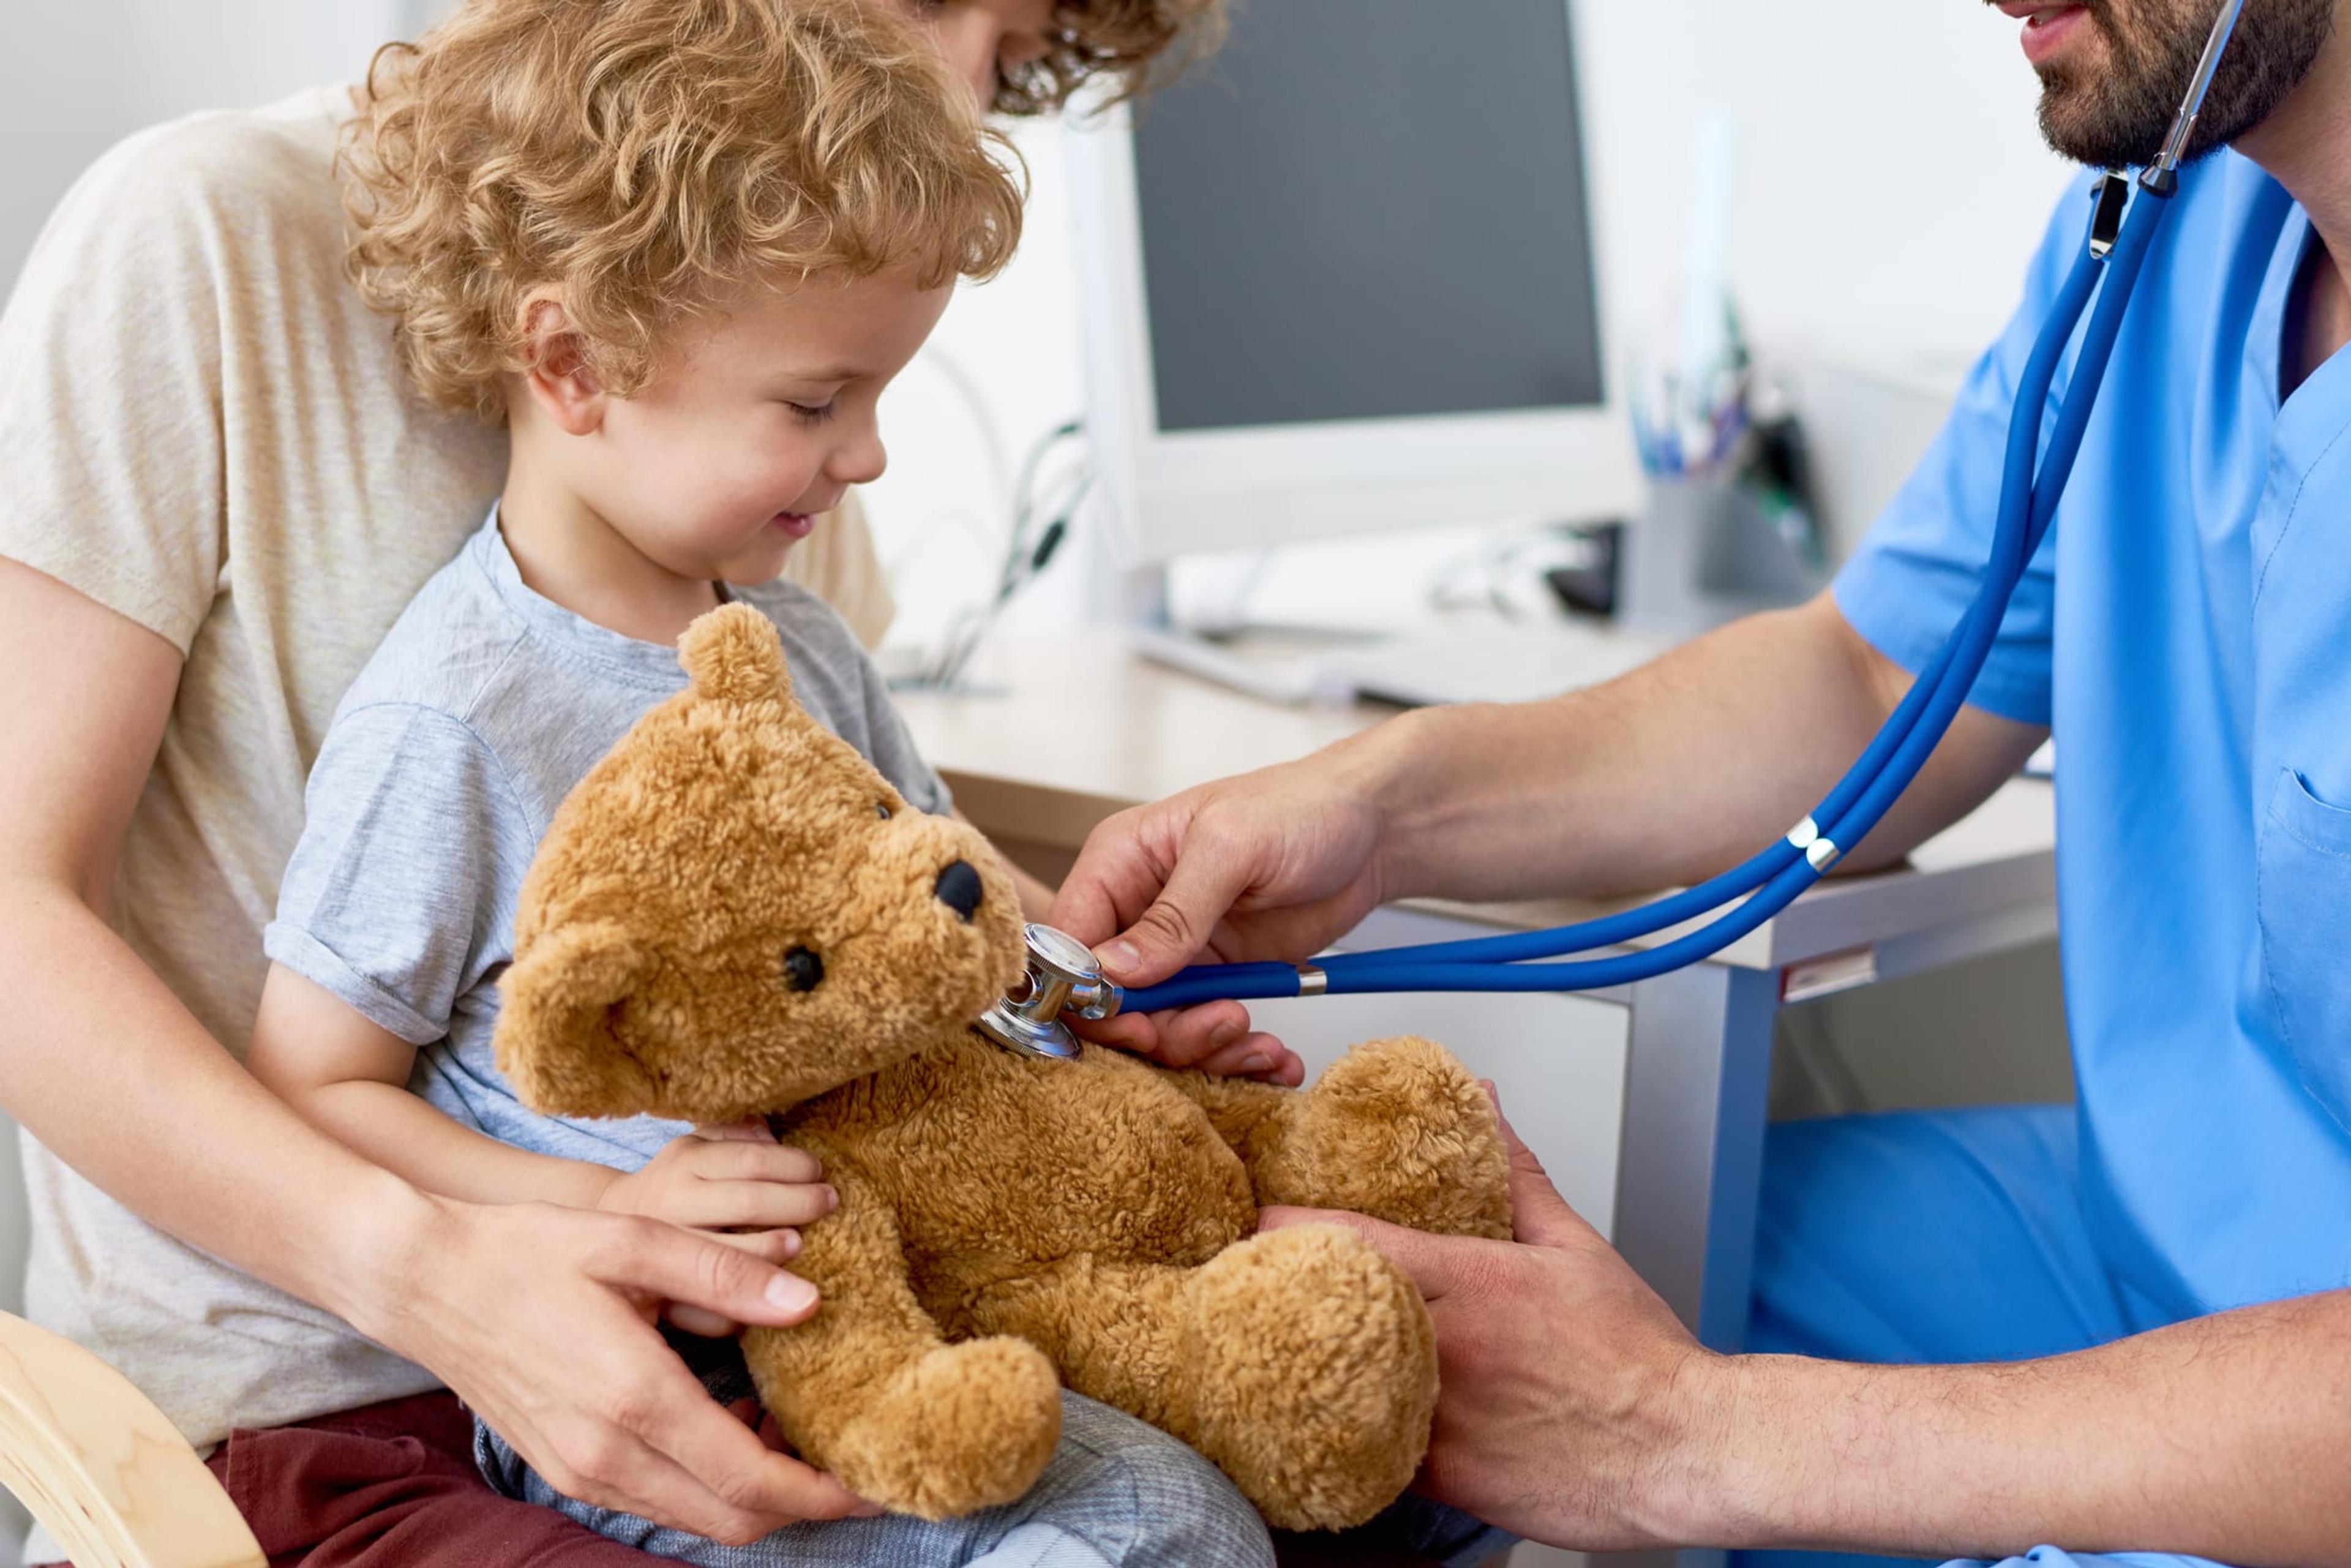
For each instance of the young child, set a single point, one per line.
(680, 246)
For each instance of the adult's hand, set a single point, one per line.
(542, 1318)
(1574, 1404)
(1271, 864)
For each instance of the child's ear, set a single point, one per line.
(558, 377)
(556, 1041)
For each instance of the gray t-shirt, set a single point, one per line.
(438, 775)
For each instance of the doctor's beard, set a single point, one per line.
(2117, 117)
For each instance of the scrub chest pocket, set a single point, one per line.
(2305, 915)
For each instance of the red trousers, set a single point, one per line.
(394, 1486)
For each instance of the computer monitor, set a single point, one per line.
(1341, 277)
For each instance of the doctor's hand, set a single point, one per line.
(1273, 865)
(1572, 1405)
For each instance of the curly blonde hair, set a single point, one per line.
(1136, 44)
(644, 157)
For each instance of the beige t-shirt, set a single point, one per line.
(203, 428)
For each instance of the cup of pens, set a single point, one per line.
(1688, 418)
(1704, 550)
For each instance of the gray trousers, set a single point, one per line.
(1117, 1493)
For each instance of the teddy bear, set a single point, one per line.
(734, 915)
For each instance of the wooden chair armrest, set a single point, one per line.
(103, 1469)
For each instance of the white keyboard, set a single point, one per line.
(1506, 663)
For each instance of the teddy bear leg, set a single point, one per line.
(1299, 1361)
(868, 1389)
(1314, 1369)
(1396, 1128)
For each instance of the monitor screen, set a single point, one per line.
(1369, 209)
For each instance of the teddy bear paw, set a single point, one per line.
(969, 1427)
(1397, 1129)
(1316, 1374)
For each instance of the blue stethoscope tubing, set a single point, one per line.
(1772, 880)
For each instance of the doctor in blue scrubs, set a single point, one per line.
(2117, 1327)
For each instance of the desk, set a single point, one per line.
(1691, 1051)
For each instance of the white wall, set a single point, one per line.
(1893, 182)
(79, 75)
(939, 513)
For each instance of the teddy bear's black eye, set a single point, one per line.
(882, 810)
(803, 970)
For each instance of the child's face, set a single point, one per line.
(755, 422)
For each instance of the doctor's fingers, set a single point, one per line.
(1147, 890)
(1214, 1037)
(1259, 1056)
(1118, 872)
(1441, 1266)
(1540, 1217)
(1180, 1036)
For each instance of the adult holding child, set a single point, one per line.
(219, 492)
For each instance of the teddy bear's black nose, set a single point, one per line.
(958, 888)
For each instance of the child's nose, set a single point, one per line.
(960, 888)
(861, 459)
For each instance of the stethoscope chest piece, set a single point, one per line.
(1062, 977)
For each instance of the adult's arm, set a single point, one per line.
(2221, 1437)
(1665, 776)
(541, 1318)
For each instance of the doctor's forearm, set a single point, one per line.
(2222, 1437)
(1668, 775)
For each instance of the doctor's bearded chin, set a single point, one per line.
(2110, 88)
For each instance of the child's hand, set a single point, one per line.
(735, 1178)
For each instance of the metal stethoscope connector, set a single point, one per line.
(1062, 978)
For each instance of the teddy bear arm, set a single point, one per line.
(1397, 1129)
(870, 1389)
(1249, 1117)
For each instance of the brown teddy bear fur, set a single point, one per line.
(1005, 1224)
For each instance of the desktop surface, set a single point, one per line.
(1066, 730)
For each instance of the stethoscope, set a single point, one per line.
(1062, 978)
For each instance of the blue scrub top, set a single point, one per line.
(2187, 630)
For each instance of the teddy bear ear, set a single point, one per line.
(732, 653)
(555, 1040)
